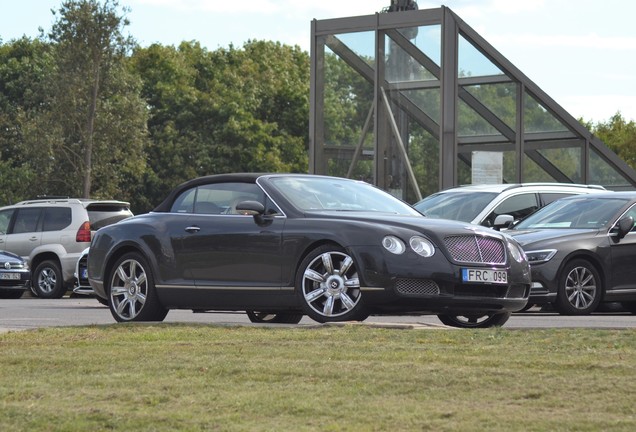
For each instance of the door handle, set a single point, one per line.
(193, 229)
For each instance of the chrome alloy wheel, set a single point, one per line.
(128, 289)
(580, 287)
(47, 280)
(330, 285)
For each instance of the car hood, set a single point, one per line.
(549, 236)
(6, 255)
(431, 226)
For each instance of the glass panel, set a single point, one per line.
(501, 99)
(566, 160)
(539, 119)
(472, 62)
(361, 43)
(348, 98)
(423, 151)
(401, 66)
(470, 123)
(428, 39)
(426, 100)
(464, 167)
(602, 173)
(532, 172)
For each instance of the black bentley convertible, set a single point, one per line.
(281, 246)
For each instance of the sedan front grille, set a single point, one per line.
(476, 249)
(12, 265)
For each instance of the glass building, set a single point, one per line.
(417, 101)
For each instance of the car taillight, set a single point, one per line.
(84, 233)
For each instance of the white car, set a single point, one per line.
(51, 233)
(497, 205)
(81, 275)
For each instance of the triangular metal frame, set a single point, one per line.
(452, 88)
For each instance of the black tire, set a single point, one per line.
(102, 300)
(47, 281)
(629, 306)
(10, 294)
(131, 290)
(580, 288)
(328, 286)
(475, 320)
(279, 318)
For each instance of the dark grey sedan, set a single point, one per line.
(582, 251)
(281, 246)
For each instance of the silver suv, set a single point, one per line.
(497, 205)
(50, 234)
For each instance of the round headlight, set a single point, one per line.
(422, 246)
(393, 245)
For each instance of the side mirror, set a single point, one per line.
(503, 221)
(250, 208)
(625, 225)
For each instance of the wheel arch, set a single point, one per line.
(41, 257)
(310, 248)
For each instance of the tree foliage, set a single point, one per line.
(620, 136)
(95, 100)
(230, 110)
(85, 111)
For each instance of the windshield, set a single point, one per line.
(334, 194)
(461, 206)
(577, 213)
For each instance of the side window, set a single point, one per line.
(547, 198)
(5, 218)
(222, 198)
(56, 218)
(518, 206)
(184, 202)
(26, 220)
(271, 208)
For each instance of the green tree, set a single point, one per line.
(24, 65)
(228, 110)
(95, 101)
(619, 135)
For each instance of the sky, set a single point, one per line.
(580, 52)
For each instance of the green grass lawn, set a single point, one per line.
(327, 378)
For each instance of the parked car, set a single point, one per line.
(497, 205)
(81, 275)
(14, 276)
(582, 251)
(51, 233)
(82, 286)
(281, 246)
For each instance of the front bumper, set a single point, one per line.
(415, 284)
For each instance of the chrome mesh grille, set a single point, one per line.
(476, 249)
(416, 287)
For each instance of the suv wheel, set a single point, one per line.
(47, 280)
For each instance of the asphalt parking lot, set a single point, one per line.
(31, 313)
